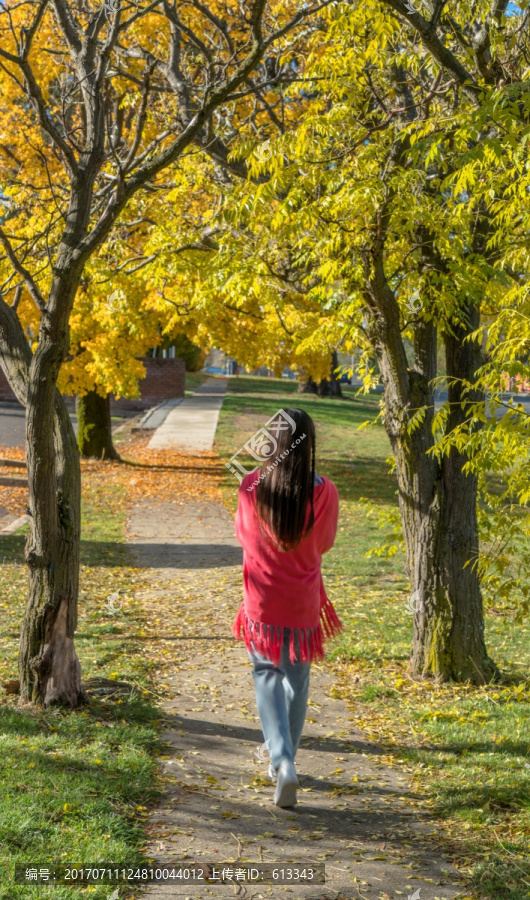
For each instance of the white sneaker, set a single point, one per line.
(286, 784)
(272, 772)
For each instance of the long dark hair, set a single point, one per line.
(285, 486)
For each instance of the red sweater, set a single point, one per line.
(285, 589)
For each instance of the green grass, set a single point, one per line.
(75, 784)
(244, 384)
(193, 381)
(466, 747)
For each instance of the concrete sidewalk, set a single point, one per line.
(356, 815)
(191, 425)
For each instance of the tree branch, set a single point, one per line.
(22, 271)
(441, 53)
(15, 352)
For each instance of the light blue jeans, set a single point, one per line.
(281, 696)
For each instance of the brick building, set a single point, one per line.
(164, 380)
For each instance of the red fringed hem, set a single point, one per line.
(268, 639)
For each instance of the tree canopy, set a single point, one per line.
(280, 181)
(393, 209)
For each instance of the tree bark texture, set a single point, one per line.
(438, 505)
(437, 501)
(94, 431)
(49, 669)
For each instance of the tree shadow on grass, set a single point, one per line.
(210, 470)
(140, 555)
(499, 798)
(503, 802)
(30, 721)
(261, 386)
(57, 796)
(12, 549)
(93, 553)
(510, 748)
(363, 476)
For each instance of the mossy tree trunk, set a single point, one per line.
(94, 435)
(438, 504)
(48, 665)
(49, 669)
(437, 500)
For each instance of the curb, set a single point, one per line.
(15, 463)
(155, 417)
(14, 526)
(7, 481)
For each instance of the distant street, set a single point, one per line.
(12, 426)
(440, 397)
(523, 399)
(12, 417)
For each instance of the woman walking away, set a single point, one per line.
(286, 519)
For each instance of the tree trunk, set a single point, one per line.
(441, 538)
(307, 387)
(331, 387)
(437, 500)
(438, 511)
(94, 434)
(451, 641)
(49, 669)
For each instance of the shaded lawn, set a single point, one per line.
(243, 384)
(194, 380)
(75, 784)
(467, 749)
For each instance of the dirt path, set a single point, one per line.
(354, 814)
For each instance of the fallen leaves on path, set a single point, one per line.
(146, 474)
(171, 620)
(159, 474)
(13, 500)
